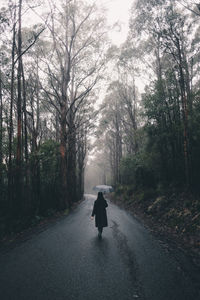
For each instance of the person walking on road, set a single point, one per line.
(99, 211)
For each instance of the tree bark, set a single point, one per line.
(18, 179)
(71, 163)
(10, 150)
(185, 115)
(25, 118)
(63, 135)
(1, 130)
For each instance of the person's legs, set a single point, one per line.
(100, 230)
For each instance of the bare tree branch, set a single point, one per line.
(35, 39)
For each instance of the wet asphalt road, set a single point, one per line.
(68, 261)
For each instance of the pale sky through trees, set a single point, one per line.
(118, 11)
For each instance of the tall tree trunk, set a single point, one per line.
(162, 116)
(25, 118)
(57, 126)
(27, 167)
(80, 181)
(83, 156)
(10, 167)
(63, 135)
(118, 150)
(71, 163)
(185, 116)
(37, 165)
(1, 130)
(18, 178)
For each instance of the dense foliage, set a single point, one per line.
(153, 140)
(149, 127)
(49, 75)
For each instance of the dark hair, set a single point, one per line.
(100, 196)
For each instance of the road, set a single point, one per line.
(68, 261)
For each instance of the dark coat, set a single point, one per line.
(99, 211)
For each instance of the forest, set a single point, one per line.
(143, 133)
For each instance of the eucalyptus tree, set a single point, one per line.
(110, 131)
(1, 129)
(164, 28)
(15, 47)
(128, 94)
(85, 124)
(73, 69)
(4, 23)
(22, 49)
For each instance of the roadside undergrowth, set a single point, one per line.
(173, 214)
(12, 229)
